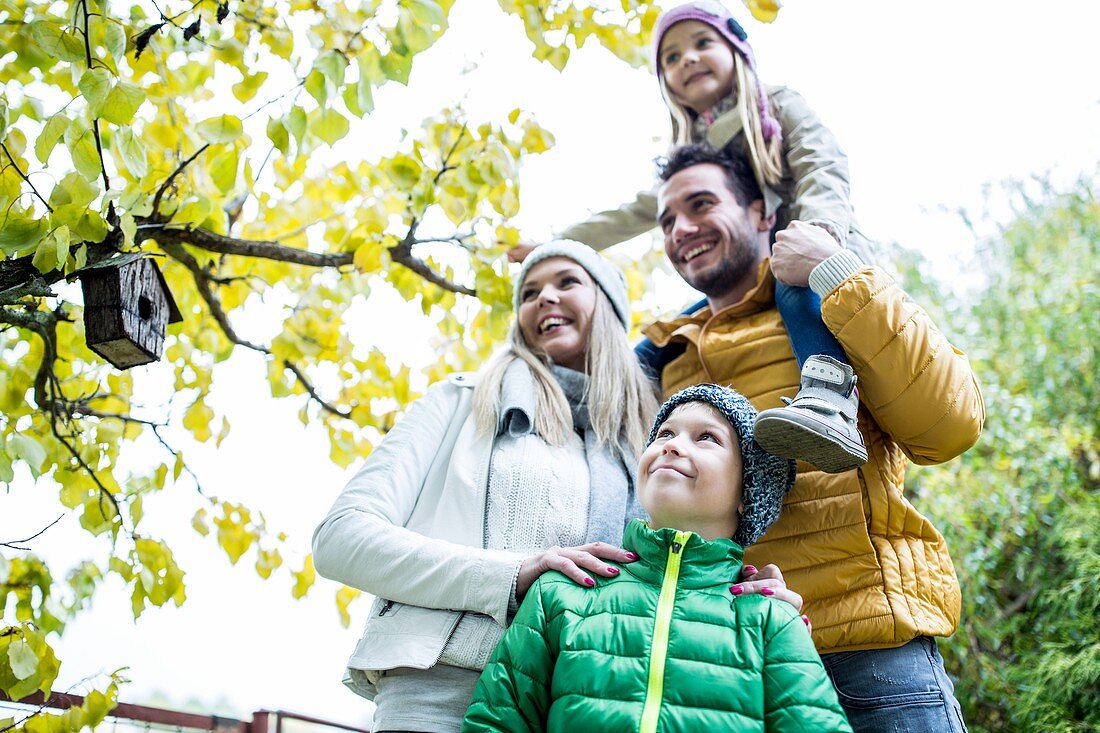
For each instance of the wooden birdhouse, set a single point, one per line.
(127, 308)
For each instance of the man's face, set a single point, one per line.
(714, 242)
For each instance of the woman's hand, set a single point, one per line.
(768, 581)
(572, 563)
(519, 252)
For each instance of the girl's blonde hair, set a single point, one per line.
(621, 399)
(766, 156)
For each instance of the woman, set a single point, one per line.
(488, 482)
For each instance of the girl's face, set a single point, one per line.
(556, 303)
(690, 476)
(697, 63)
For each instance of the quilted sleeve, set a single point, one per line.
(606, 228)
(919, 388)
(513, 693)
(798, 695)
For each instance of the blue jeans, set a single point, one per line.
(896, 690)
(800, 309)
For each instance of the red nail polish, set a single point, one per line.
(750, 570)
(806, 620)
(613, 571)
(632, 555)
(767, 592)
(589, 582)
(736, 590)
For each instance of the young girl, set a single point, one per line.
(663, 645)
(707, 75)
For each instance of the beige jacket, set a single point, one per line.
(814, 187)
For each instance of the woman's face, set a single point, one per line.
(556, 303)
(697, 63)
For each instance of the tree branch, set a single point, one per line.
(25, 177)
(262, 249)
(308, 386)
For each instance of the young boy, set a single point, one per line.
(664, 645)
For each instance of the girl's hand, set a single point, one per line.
(798, 249)
(520, 251)
(572, 562)
(767, 581)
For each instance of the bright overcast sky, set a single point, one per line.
(931, 100)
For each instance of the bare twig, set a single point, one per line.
(16, 544)
(168, 181)
(25, 177)
(95, 120)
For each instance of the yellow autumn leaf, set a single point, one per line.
(764, 10)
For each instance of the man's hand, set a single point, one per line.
(798, 249)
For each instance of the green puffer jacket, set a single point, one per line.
(662, 647)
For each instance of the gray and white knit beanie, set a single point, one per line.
(767, 479)
(608, 277)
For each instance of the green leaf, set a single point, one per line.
(332, 65)
(23, 660)
(246, 89)
(359, 97)
(3, 119)
(277, 134)
(122, 103)
(223, 169)
(427, 13)
(129, 228)
(6, 476)
(17, 234)
(90, 228)
(404, 171)
(115, 40)
(95, 84)
(222, 129)
(51, 132)
(331, 126)
(317, 87)
(74, 189)
(85, 156)
(55, 42)
(45, 256)
(397, 67)
(30, 450)
(132, 150)
(296, 123)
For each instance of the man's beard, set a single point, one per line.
(729, 272)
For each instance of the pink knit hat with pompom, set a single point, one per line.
(717, 17)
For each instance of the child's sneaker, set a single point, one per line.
(819, 425)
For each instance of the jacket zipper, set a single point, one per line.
(654, 696)
(385, 608)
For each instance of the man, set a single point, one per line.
(876, 575)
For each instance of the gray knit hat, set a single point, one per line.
(768, 478)
(609, 277)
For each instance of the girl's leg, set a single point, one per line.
(819, 425)
(800, 309)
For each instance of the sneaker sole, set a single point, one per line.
(810, 441)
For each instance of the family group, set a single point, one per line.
(590, 536)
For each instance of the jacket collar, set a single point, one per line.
(704, 563)
(688, 326)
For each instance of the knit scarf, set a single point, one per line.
(703, 121)
(612, 502)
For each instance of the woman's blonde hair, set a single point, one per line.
(766, 155)
(621, 399)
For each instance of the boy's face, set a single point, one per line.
(690, 477)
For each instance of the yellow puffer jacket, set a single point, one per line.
(874, 572)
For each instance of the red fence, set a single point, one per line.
(263, 721)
